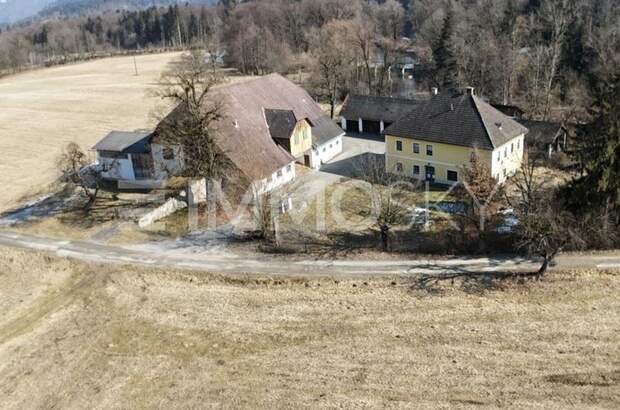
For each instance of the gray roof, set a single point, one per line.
(457, 119)
(281, 123)
(324, 129)
(119, 141)
(376, 108)
(542, 132)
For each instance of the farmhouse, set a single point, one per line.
(266, 125)
(369, 114)
(437, 139)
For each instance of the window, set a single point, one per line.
(112, 155)
(416, 148)
(399, 167)
(512, 148)
(168, 154)
(279, 173)
(505, 152)
(499, 157)
(429, 150)
(289, 168)
(518, 144)
(330, 146)
(324, 149)
(416, 170)
(453, 176)
(399, 145)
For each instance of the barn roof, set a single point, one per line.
(457, 119)
(242, 132)
(376, 108)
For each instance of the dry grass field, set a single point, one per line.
(43, 109)
(74, 335)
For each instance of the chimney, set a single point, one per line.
(470, 91)
(434, 90)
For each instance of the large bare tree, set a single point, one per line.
(185, 85)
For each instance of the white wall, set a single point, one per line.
(325, 152)
(275, 181)
(506, 161)
(163, 167)
(117, 168)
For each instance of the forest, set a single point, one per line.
(542, 55)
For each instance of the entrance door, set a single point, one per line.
(429, 173)
(142, 166)
(371, 127)
(353, 126)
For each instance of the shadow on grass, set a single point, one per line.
(470, 282)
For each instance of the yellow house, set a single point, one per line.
(294, 135)
(437, 139)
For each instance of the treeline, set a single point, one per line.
(540, 54)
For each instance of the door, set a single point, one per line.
(353, 126)
(142, 166)
(371, 127)
(430, 173)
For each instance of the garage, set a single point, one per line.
(371, 127)
(353, 126)
(373, 111)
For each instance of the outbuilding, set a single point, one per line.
(371, 114)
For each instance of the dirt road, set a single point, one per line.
(166, 255)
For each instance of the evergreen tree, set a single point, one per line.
(597, 152)
(445, 61)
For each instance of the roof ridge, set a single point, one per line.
(484, 125)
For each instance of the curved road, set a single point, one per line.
(259, 264)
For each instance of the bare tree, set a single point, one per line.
(556, 15)
(331, 61)
(480, 192)
(75, 169)
(386, 191)
(186, 85)
(545, 228)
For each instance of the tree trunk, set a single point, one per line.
(384, 240)
(544, 266)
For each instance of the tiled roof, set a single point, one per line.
(541, 132)
(281, 123)
(242, 132)
(324, 129)
(457, 119)
(376, 108)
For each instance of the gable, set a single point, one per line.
(462, 120)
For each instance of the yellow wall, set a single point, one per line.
(301, 139)
(445, 158)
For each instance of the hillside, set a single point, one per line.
(12, 11)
